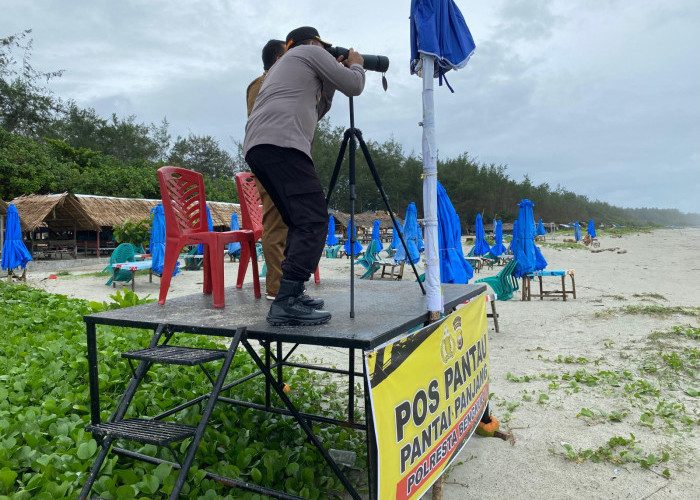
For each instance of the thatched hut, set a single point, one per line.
(364, 222)
(72, 223)
(3, 216)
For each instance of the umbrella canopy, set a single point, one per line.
(331, 239)
(498, 247)
(352, 230)
(454, 268)
(235, 226)
(525, 251)
(376, 236)
(577, 231)
(14, 252)
(591, 229)
(156, 244)
(438, 29)
(481, 247)
(395, 240)
(410, 236)
(210, 226)
(540, 229)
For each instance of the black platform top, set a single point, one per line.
(383, 309)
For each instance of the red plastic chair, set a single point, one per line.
(184, 205)
(251, 218)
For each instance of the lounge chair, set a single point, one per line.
(504, 283)
(125, 252)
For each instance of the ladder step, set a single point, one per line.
(144, 431)
(176, 355)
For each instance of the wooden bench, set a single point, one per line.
(527, 284)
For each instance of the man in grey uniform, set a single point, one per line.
(296, 93)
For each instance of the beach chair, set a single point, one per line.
(125, 252)
(332, 251)
(192, 261)
(184, 205)
(369, 260)
(504, 283)
(251, 219)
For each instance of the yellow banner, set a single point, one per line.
(428, 392)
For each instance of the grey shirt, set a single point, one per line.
(297, 92)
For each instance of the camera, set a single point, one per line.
(372, 63)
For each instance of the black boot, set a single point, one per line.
(289, 310)
(310, 301)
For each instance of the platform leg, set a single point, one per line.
(541, 288)
(95, 469)
(563, 287)
(495, 316)
(573, 285)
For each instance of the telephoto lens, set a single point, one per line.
(379, 64)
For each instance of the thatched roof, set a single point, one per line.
(3, 207)
(365, 220)
(87, 212)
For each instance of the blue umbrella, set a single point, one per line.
(454, 268)
(591, 228)
(540, 229)
(395, 240)
(352, 230)
(331, 239)
(210, 225)
(481, 247)
(439, 29)
(410, 236)
(498, 247)
(376, 235)
(156, 244)
(14, 252)
(234, 248)
(525, 251)
(577, 231)
(419, 239)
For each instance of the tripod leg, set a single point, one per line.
(338, 163)
(378, 182)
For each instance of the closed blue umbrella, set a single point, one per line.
(376, 235)
(591, 228)
(498, 247)
(234, 248)
(352, 230)
(395, 240)
(481, 246)
(540, 229)
(156, 244)
(525, 251)
(410, 236)
(577, 231)
(454, 268)
(210, 225)
(331, 239)
(419, 240)
(14, 252)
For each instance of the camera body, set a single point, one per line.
(379, 64)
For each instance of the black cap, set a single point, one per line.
(304, 33)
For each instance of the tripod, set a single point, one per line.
(352, 135)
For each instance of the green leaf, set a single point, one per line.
(585, 412)
(256, 475)
(86, 450)
(7, 479)
(162, 471)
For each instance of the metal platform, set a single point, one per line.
(383, 309)
(176, 355)
(144, 431)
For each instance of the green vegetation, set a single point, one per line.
(651, 310)
(51, 145)
(44, 406)
(563, 246)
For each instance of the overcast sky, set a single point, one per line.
(601, 97)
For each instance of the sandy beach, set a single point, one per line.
(579, 373)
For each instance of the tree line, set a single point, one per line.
(51, 145)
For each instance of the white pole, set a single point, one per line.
(432, 255)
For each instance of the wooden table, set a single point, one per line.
(527, 284)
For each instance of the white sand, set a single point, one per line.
(665, 262)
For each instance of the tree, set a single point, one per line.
(202, 154)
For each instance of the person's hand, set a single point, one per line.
(353, 58)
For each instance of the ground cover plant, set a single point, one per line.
(44, 406)
(643, 400)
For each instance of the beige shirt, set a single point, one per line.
(253, 90)
(296, 93)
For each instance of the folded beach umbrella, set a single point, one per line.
(419, 240)
(14, 252)
(498, 247)
(481, 246)
(577, 231)
(352, 230)
(234, 248)
(440, 41)
(525, 252)
(540, 229)
(410, 236)
(210, 225)
(376, 236)
(395, 240)
(591, 229)
(331, 239)
(156, 244)
(454, 268)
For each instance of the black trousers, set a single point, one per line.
(290, 178)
